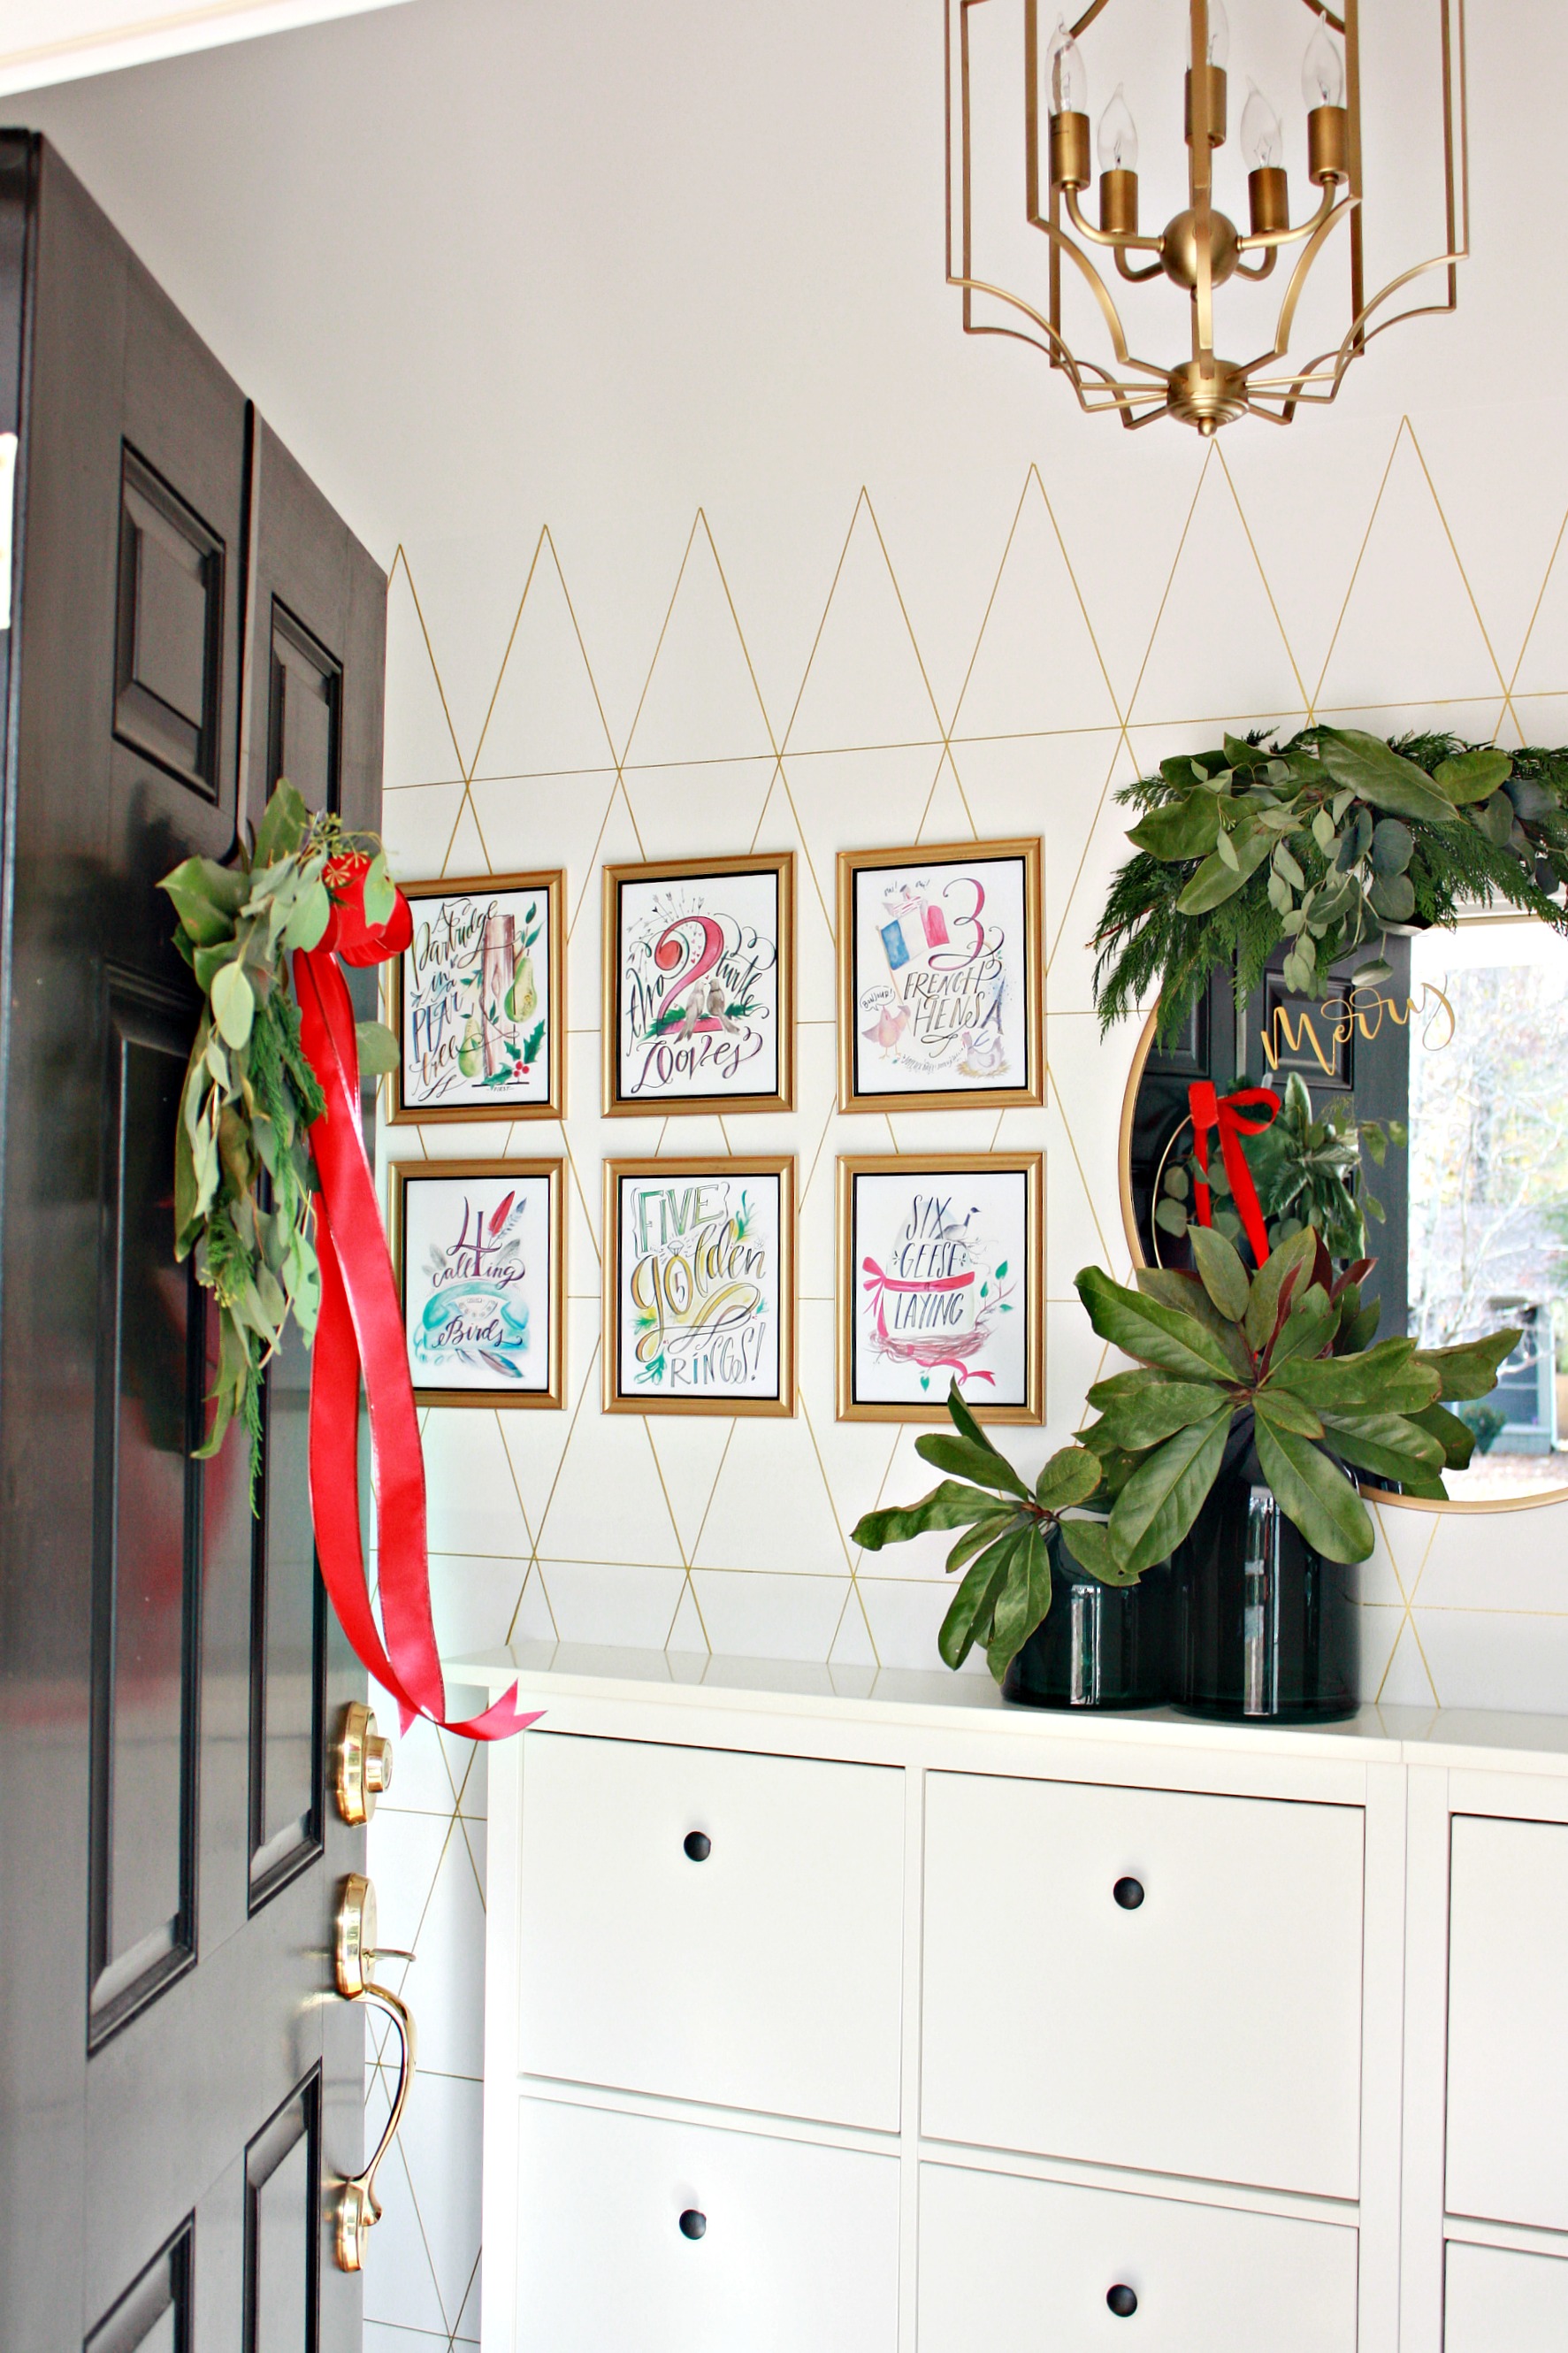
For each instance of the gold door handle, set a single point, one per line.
(363, 1764)
(354, 1951)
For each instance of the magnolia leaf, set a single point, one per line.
(207, 913)
(962, 1420)
(1186, 828)
(1283, 1412)
(1088, 1542)
(1217, 879)
(976, 1538)
(1150, 1416)
(1473, 775)
(284, 822)
(378, 1047)
(1470, 1370)
(312, 913)
(1404, 1444)
(1221, 1272)
(1167, 1492)
(1383, 1380)
(968, 1618)
(1022, 1602)
(1070, 1477)
(1292, 1258)
(188, 1220)
(380, 891)
(951, 1506)
(1310, 1325)
(1175, 1288)
(1142, 1328)
(234, 1004)
(1456, 1439)
(1378, 774)
(1315, 1494)
(965, 1460)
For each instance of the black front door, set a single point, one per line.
(182, 2089)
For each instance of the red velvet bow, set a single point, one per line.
(361, 1327)
(1212, 1111)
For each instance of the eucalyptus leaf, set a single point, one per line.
(283, 825)
(234, 1004)
(380, 892)
(378, 1047)
(306, 927)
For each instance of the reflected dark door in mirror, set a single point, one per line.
(1099, 1646)
(1265, 1630)
(1341, 1051)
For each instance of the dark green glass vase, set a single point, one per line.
(1099, 1645)
(1265, 1630)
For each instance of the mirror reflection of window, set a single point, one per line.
(1488, 1184)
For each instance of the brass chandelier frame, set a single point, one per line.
(1205, 390)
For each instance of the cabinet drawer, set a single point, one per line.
(799, 2254)
(767, 1976)
(1498, 2302)
(1508, 2021)
(1026, 2267)
(1214, 2030)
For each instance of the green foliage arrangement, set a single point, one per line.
(243, 1172)
(1324, 841)
(1006, 1529)
(1306, 1171)
(1289, 1347)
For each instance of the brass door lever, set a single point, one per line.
(355, 1951)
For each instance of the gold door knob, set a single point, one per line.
(364, 1764)
(354, 1951)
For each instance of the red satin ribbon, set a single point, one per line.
(360, 1329)
(946, 1359)
(1213, 1111)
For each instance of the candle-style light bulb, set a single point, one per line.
(1066, 83)
(1262, 141)
(1118, 136)
(1219, 36)
(1322, 73)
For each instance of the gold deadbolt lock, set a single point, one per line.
(364, 1764)
(354, 1953)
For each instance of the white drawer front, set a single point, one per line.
(1508, 2021)
(800, 2253)
(766, 1976)
(1498, 2302)
(1026, 2267)
(1214, 2031)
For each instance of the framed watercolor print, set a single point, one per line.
(699, 1286)
(479, 1249)
(698, 1002)
(942, 1278)
(478, 1000)
(940, 988)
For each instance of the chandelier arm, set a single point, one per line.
(1299, 277)
(1277, 236)
(1359, 334)
(1265, 268)
(1089, 15)
(1121, 240)
(1326, 14)
(1155, 269)
(1069, 360)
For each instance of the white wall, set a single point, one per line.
(620, 334)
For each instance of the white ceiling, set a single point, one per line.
(45, 41)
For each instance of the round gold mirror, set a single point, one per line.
(1422, 1123)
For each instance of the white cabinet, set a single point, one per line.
(950, 2020)
(1499, 2301)
(1508, 2021)
(1017, 2266)
(1167, 1981)
(765, 1975)
(798, 2251)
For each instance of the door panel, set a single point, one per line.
(179, 2085)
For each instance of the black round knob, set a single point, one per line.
(1121, 2300)
(699, 1846)
(693, 2224)
(1129, 1894)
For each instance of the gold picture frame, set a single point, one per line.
(683, 874)
(715, 1170)
(405, 1176)
(853, 1095)
(857, 1271)
(551, 883)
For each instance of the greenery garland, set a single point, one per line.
(243, 1171)
(1323, 841)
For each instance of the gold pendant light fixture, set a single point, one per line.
(1200, 253)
